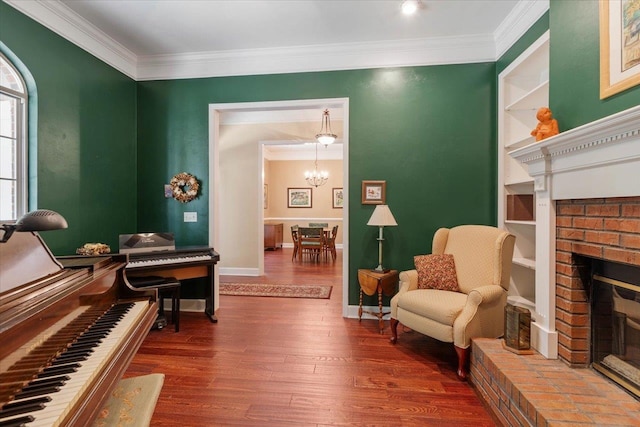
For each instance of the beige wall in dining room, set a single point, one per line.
(240, 195)
(280, 175)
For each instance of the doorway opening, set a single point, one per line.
(236, 211)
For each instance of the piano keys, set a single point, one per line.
(155, 254)
(68, 333)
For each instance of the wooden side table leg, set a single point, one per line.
(360, 307)
(380, 321)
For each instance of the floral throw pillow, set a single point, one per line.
(436, 272)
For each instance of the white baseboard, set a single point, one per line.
(545, 341)
(192, 305)
(232, 271)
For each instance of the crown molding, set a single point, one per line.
(519, 20)
(437, 51)
(417, 52)
(63, 21)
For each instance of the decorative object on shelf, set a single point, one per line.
(168, 191)
(93, 249)
(517, 329)
(619, 46)
(326, 136)
(520, 207)
(184, 187)
(374, 192)
(338, 198)
(381, 217)
(547, 125)
(38, 220)
(299, 197)
(315, 177)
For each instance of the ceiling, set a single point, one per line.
(172, 27)
(164, 39)
(169, 39)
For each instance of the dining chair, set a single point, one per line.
(319, 224)
(311, 241)
(295, 238)
(329, 246)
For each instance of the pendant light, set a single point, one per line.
(326, 137)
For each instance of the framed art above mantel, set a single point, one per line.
(619, 46)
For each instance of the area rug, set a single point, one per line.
(268, 290)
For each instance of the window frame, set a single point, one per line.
(22, 148)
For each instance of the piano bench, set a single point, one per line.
(165, 286)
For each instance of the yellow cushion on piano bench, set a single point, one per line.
(132, 402)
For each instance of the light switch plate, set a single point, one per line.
(191, 217)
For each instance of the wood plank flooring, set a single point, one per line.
(298, 362)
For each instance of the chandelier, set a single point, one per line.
(326, 137)
(315, 177)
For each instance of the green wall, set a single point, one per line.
(86, 135)
(428, 131)
(574, 73)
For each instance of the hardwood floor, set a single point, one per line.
(298, 362)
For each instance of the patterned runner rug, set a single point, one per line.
(267, 290)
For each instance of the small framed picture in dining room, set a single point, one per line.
(374, 192)
(299, 197)
(338, 198)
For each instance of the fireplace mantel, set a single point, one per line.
(599, 159)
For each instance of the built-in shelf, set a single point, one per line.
(520, 143)
(523, 87)
(510, 221)
(521, 302)
(532, 100)
(525, 262)
(519, 181)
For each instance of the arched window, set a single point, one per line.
(13, 142)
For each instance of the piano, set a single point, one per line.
(155, 254)
(69, 328)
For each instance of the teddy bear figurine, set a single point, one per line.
(547, 125)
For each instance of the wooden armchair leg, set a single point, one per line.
(393, 323)
(463, 361)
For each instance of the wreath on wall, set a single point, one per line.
(184, 187)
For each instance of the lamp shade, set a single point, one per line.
(382, 217)
(41, 220)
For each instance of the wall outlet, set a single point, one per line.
(191, 217)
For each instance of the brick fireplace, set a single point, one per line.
(587, 203)
(606, 229)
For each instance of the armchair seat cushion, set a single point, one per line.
(435, 304)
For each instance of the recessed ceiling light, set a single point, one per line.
(409, 7)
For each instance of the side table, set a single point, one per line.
(372, 282)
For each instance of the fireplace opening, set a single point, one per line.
(615, 323)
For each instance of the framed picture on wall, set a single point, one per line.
(619, 46)
(299, 197)
(374, 192)
(338, 198)
(265, 196)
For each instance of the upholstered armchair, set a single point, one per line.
(482, 257)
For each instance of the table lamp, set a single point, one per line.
(381, 217)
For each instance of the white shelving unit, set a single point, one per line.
(523, 87)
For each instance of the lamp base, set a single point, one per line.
(381, 269)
